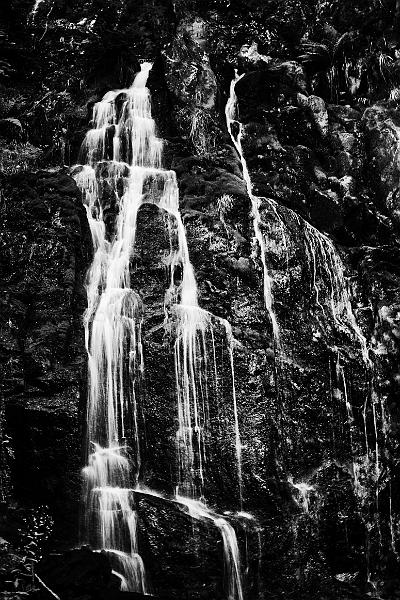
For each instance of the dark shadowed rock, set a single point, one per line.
(318, 421)
(45, 248)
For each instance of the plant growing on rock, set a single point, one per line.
(34, 533)
(328, 58)
(17, 577)
(197, 131)
(17, 157)
(224, 204)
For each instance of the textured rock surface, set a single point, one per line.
(321, 136)
(45, 249)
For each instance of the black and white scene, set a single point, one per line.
(200, 299)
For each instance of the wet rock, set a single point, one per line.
(317, 107)
(294, 73)
(46, 248)
(78, 573)
(383, 138)
(328, 187)
(249, 54)
(11, 128)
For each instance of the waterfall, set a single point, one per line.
(191, 356)
(113, 321)
(121, 152)
(319, 249)
(329, 291)
(230, 112)
(34, 10)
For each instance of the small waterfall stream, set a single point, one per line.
(113, 324)
(230, 112)
(34, 10)
(332, 305)
(123, 151)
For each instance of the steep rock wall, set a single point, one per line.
(46, 249)
(312, 411)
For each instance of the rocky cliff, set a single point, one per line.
(318, 406)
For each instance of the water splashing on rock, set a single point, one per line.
(123, 153)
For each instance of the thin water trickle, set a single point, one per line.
(322, 256)
(34, 11)
(201, 512)
(238, 443)
(330, 292)
(230, 113)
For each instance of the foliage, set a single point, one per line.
(35, 531)
(224, 205)
(69, 51)
(17, 570)
(198, 131)
(328, 56)
(17, 157)
(16, 575)
(275, 27)
(366, 17)
(325, 54)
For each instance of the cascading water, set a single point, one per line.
(318, 247)
(34, 10)
(331, 296)
(230, 111)
(193, 325)
(113, 322)
(123, 155)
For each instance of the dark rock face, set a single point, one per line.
(78, 572)
(45, 248)
(318, 421)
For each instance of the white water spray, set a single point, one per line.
(117, 150)
(34, 11)
(123, 152)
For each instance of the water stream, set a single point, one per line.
(326, 265)
(34, 10)
(122, 152)
(230, 113)
(331, 295)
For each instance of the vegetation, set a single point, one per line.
(71, 50)
(347, 49)
(75, 49)
(17, 570)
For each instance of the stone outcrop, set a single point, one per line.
(45, 249)
(318, 420)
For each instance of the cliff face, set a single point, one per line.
(318, 405)
(46, 249)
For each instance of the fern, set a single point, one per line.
(324, 53)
